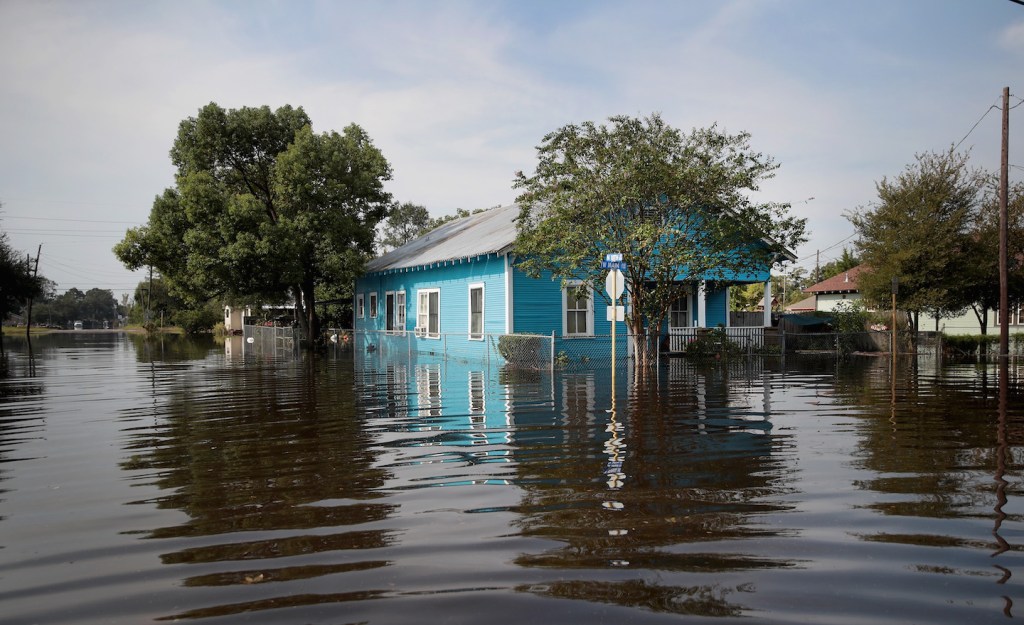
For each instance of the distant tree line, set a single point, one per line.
(93, 308)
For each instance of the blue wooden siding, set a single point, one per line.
(717, 313)
(452, 280)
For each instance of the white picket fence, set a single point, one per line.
(746, 337)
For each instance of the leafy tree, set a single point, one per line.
(835, 267)
(404, 223)
(98, 305)
(263, 209)
(917, 232)
(674, 205)
(979, 285)
(17, 284)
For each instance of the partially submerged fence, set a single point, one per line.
(749, 338)
(271, 340)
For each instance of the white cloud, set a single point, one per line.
(1012, 37)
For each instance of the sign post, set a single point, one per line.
(615, 284)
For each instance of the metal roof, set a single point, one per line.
(492, 231)
(489, 232)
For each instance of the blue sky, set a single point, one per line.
(457, 95)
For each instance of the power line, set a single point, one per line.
(91, 221)
(987, 111)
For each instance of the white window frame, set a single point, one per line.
(473, 287)
(397, 315)
(374, 305)
(423, 315)
(400, 312)
(688, 312)
(589, 311)
(360, 307)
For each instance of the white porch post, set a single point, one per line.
(702, 306)
(768, 303)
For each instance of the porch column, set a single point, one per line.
(702, 305)
(768, 303)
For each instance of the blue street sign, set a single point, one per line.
(614, 258)
(611, 264)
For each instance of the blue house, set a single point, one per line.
(457, 289)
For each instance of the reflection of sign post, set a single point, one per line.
(615, 284)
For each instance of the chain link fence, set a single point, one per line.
(271, 341)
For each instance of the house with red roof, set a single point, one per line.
(830, 292)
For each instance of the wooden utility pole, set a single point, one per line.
(28, 309)
(1004, 184)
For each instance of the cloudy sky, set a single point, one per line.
(457, 95)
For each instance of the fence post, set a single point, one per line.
(552, 365)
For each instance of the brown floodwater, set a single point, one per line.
(146, 481)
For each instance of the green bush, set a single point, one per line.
(713, 342)
(197, 321)
(520, 349)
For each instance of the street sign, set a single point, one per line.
(614, 258)
(618, 311)
(615, 284)
(613, 264)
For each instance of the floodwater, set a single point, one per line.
(150, 481)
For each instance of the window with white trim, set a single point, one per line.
(400, 311)
(428, 313)
(394, 312)
(476, 312)
(373, 305)
(360, 309)
(679, 312)
(577, 310)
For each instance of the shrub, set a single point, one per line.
(713, 342)
(197, 321)
(521, 349)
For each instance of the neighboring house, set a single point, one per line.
(458, 285)
(234, 317)
(843, 287)
(806, 305)
(830, 292)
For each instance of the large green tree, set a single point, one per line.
(919, 231)
(978, 287)
(676, 206)
(17, 282)
(263, 209)
(405, 222)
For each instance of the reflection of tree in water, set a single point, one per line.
(170, 347)
(938, 440)
(276, 451)
(20, 419)
(696, 468)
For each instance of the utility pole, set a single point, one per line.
(1004, 184)
(28, 311)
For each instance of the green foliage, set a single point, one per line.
(669, 203)
(849, 321)
(521, 349)
(845, 262)
(263, 209)
(404, 223)
(17, 284)
(714, 342)
(198, 321)
(917, 232)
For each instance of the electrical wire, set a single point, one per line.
(989, 110)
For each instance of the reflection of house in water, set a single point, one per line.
(457, 399)
(682, 466)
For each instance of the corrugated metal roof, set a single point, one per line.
(489, 232)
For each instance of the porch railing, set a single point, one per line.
(746, 337)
